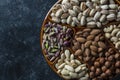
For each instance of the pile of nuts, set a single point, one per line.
(90, 47)
(55, 37)
(89, 51)
(106, 67)
(70, 68)
(112, 33)
(92, 13)
(89, 44)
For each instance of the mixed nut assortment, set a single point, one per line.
(81, 39)
(89, 13)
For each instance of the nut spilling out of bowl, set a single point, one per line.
(80, 39)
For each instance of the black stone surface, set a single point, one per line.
(20, 54)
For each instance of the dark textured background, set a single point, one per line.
(20, 54)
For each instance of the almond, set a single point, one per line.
(93, 48)
(81, 40)
(78, 52)
(87, 52)
(88, 43)
(90, 37)
(97, 38)
(95, 32)
(101, 44)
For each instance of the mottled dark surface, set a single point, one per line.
(20, 54)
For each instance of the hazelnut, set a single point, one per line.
(107, 64)
(111, 58)
(97, 64)
(103, 75)
(108, 72)
(92, 68)
(111, 51)
(117, 71)
(104, 68)
(117, 56)
(93, 59)
(102, 60)
(91, 74)
(107, 54)
(98, 71)
(117, 64)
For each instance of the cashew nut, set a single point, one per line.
(117, 45)
(114, 32)
(114, 39)
(118, 34)
(108, 29)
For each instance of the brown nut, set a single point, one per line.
(85, 34)
(108, 72)
(93, 53)
(100, 49)
(80, 57)
(87, 52)
(111, 58)
(102, 44)
(94, 48)
(102, 60)
(117, 56)
(86, 59)
(97, 38)
(117, 64)
(90, 37)
(74, 48)
(117, 71)
(107, 64)
(95, 43)
(81, 39)
(107, 54)
(87, 30)
(88, 43)
(96, 64)
(78, 52)
(111, 51)
(104, 68)
(103, 75)
(95, 32)
(92, 74)
(92, 68)
(102, 38)
(98, 71)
